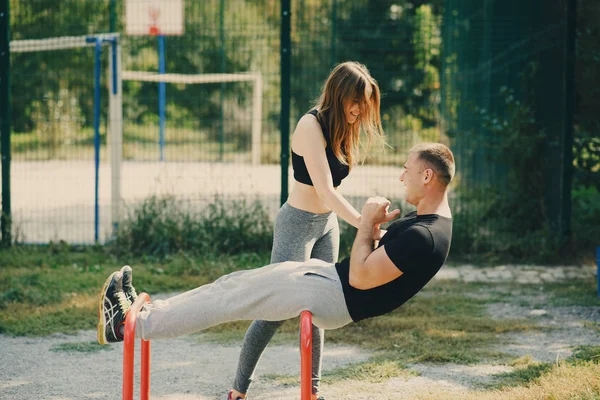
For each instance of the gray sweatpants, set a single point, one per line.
(274, 292)
(298, 236)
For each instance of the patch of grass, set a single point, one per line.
(55, 255)
(59, 294)
(575, 292)
(282, 380)
(586, 353)
(528, 371)
(592, 325)
(375, 370)
(563, 382)
(522, 375)
(571, 293)
(67, 317)
(80, 347)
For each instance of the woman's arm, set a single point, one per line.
(310, 144)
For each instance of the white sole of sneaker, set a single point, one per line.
(101, 317)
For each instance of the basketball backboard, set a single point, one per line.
(154, 17)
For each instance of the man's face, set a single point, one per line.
(413, 178)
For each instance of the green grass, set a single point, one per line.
(528, 371)
(376, 370)
(80, 347)
(521, 375)
(571, 293)
(51, 289)
(586, 353)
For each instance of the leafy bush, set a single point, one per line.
(507, 220)
(160, 226)
(586, 218)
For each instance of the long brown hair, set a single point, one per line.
(350, 80)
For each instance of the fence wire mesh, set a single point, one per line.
(488, 78)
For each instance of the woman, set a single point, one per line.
(325, 146)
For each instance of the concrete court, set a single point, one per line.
(54, 200)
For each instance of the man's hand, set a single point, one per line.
(368, 266)
(375, 212)
(378, 233)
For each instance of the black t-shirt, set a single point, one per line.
(418, 245)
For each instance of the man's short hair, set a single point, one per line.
(439, 158)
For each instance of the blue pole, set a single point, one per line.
(598, 268)
(161, 95)
(97, 134)
(114, 64)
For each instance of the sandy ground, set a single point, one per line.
(55, 200)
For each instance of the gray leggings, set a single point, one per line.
(298, 236)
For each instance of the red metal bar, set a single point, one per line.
(128, 353)
(145, 371)
(305, 355)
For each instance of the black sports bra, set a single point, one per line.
(338, 170)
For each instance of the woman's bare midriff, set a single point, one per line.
(304, 197)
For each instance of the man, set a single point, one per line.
(369, 283)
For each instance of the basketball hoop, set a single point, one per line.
(154, 14)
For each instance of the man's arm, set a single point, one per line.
(368, 268)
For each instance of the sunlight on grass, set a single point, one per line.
(375, 371)
(563, 382)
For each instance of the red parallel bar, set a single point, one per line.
(128, 353)
(145, 371)
(305, 355)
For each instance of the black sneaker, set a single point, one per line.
(112, 308)
(128, 288)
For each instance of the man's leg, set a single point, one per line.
(273, 293)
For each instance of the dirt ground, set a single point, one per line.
(192, 368)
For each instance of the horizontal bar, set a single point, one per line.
(188, 78)
(58, 43)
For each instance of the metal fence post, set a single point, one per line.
(284, 122)
(5, 216)
(598, 269)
